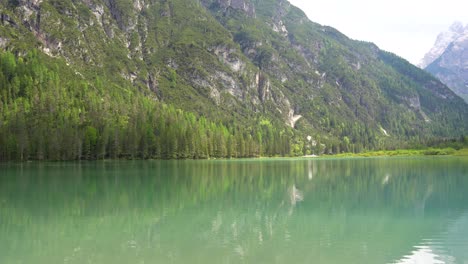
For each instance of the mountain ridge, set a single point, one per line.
(442, 42)
(448, 59)
(245, 64)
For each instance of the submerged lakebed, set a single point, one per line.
(366, 210)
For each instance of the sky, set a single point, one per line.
(407, 28)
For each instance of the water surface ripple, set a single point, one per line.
(375, 210)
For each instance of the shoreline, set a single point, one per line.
(409, 152)
(381, 153)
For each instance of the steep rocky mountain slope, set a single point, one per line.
(442, 42)
(448, 59)
(258, 68)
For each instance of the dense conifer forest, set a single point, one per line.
(175, 79)
(55, 115)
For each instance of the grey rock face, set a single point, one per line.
(243, 5)
(443, 40)
(451, 66)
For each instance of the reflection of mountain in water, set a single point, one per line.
(218, 211)
(448, 247)
(295, 195)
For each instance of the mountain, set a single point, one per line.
(212, 78)
(448, 59)
(443, 41)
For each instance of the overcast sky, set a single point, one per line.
(408, 28)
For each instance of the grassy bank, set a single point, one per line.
(410, 152)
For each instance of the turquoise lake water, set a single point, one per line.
(373, 210)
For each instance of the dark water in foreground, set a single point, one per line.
(399, 210)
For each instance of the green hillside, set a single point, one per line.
(92, 79)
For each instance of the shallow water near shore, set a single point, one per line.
(354, 210)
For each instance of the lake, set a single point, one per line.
(361, 210)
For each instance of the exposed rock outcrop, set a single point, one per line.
(243, 5)
(450, 59)
(443, 40)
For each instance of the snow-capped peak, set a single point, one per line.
(457, 27)
(444, 39)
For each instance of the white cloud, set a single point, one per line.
(407, 28)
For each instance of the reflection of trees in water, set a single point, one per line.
(230, 208)
(102, 187)
(393, 184)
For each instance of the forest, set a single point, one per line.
(47, 115)
(53, 113)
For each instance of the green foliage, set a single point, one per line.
(127, 71)
(447, 151)
(461, 152)
(56, 116)
(409, 152)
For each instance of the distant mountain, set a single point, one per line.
(102, 78)
(448, 59)
(443, 41)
